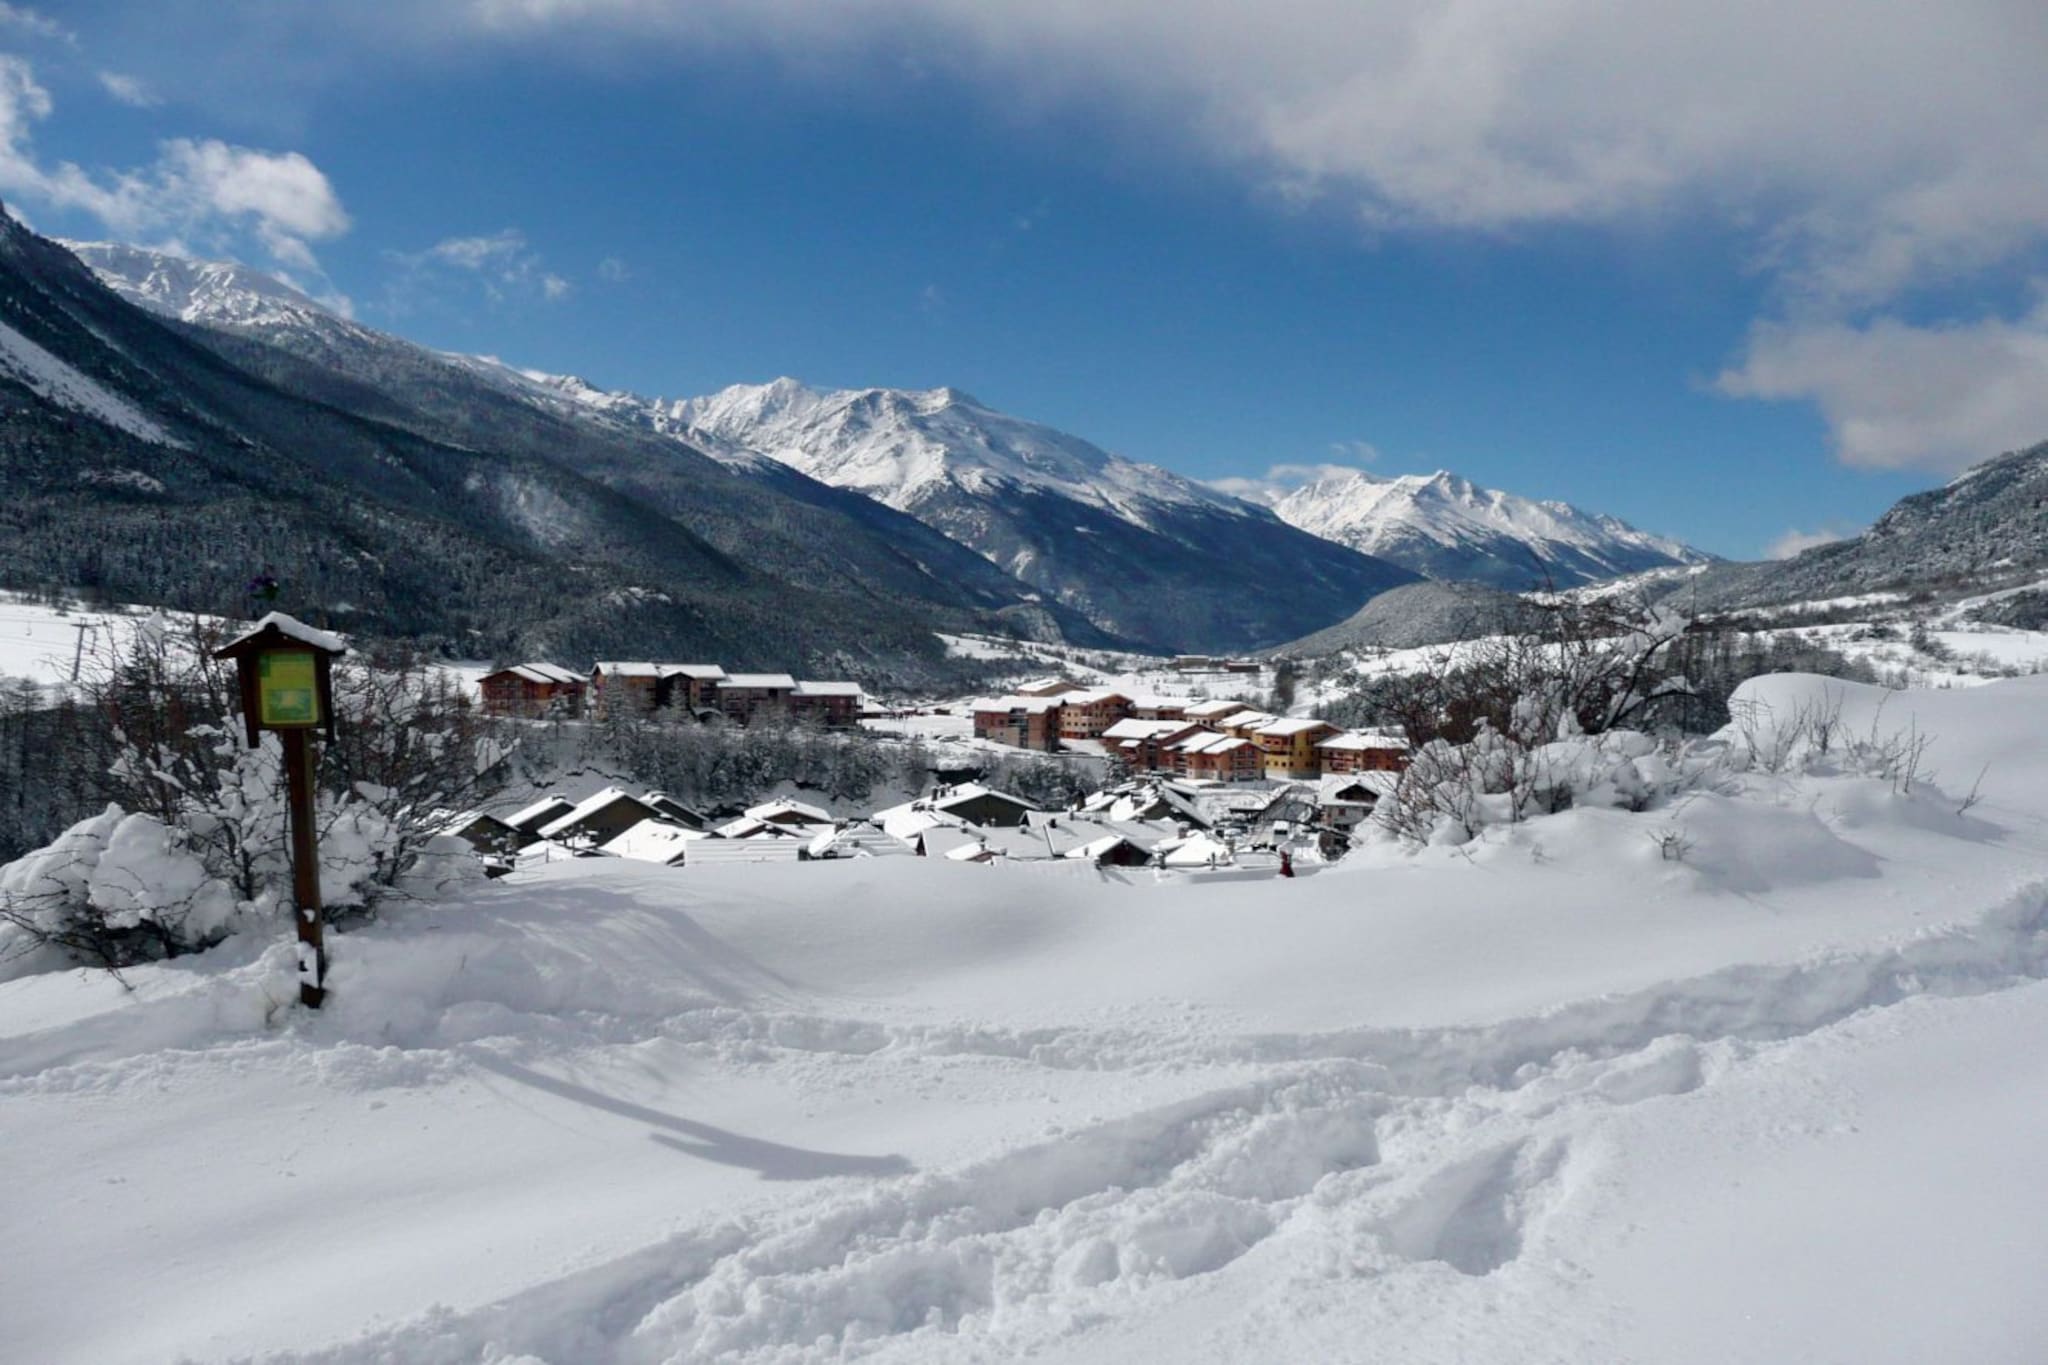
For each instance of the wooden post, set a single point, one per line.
(298, 770)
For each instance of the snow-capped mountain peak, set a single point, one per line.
(898, 445)
(219, 293)
(1444, 525)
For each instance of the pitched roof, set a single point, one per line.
(808, 815)
(1293, 725)
(584, 809)
(541, 811)
(652, 841)
(782, 682)
(1144, 729)
(539, 673)
(698, 672)
(809, 688)
(1353, 740)
(618, 668)
(1030, 706)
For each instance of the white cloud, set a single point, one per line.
(1281, 479)
(205, 190)
(128, 90)
(1865, 147)
(1795, 541)
(612, 270)
(22, 19)
(503, 262)
(1898, 396)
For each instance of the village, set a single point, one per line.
(1202, 785)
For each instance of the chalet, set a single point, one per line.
(542, 812)
(532, 690)
(1343, 802)
(1243, 723)
(496, 843)
(1363, 752)
(599, 819)
(624, 688)
(675, 812)
(827, 703)
(1196, 663)
(1219, 758)
(1145, 745)
(654, 841)
(1289, 745)
(979, 805)
(1022, 722)
(1209, 712)
(792, 815)
(1085, 715)
(691, 687)
(1112, 850)
(1197, 850)
(748, 697)
(1144, 707)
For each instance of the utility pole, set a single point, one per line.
(78, 653)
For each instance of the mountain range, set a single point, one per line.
(1446, 527)
(1066, 541)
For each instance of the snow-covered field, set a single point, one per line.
(1548, 1098)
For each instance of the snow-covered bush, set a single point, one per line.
(192, 843)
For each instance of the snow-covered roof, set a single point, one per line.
(616, 668)
(1134, 729)
(1149, 701)
(783, 811)
(652, 841)
(293, 628)
(697, 672)
(765, 682)
(1238, 720)
(1197, 850)
(1031, 706)
(974, 791)
(539, 673)
(583, 810)
(811, 688)
(1211, 710)
(1379, 784)
(1095, 695)
(1353, 740)
(752, 827)
(1211, 743)
(1293, 725)
(533, 815)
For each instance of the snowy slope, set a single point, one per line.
(1560, 1101)
(1144, 552)
(1447, 527)
(896, 445)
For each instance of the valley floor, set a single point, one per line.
(1552, 1098)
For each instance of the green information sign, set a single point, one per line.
(285, 688)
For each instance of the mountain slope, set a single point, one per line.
(1986, 526)
(1143, 552)
(1443, 526)
(754, 510)
(136, 462)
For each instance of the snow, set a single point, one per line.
(50, 378)
(292, 629)
(1383, 516)
(1548, 1097)
(897, 445)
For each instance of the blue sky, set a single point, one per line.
(1708, 269)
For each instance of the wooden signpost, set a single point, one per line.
(285, 668)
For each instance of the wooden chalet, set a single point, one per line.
(833, 704)
(533, 690)
(1289, 745)
(1146, 745)
(599, 819)
(1363, 752)
(1085, 715)
(624, 687)
(1217, 757)
(747, 697)
(692, 687)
